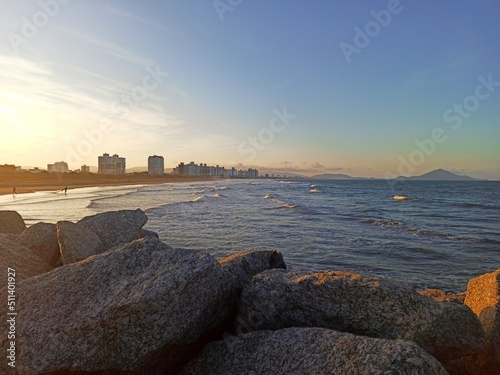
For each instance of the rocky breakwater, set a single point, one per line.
(104, 296)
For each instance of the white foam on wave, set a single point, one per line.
(198, 199)
(217, 195)
(400, 198)
(268, 196)
(314, 190)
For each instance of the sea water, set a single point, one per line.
(444, 234)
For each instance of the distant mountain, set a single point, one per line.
(332, 176)
(439, 175)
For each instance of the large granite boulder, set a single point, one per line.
(76, 242)
(11, 222)
(9, 236)
(363, 305)
(41, 238)
(311, 351)
(250, 263)
(483, 297)
(442, 296)
(23, 260)
(141, 304)
(116, 227)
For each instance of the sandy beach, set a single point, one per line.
(30, 183)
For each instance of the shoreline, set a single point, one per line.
(32, 183)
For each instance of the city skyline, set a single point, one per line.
(357, 88)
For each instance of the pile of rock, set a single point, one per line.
(105, 296)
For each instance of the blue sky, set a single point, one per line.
(307, 87)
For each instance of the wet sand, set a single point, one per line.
(26, 182)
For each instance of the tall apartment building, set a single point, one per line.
(111, 164)
(58, 167)
(156, 165)
(84, 169)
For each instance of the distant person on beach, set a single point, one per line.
(14, 191)
(65, 190)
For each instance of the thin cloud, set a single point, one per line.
(107, 46)
(120, 12)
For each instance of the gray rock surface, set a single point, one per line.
(363, 305)
(248, 264)
(76, 242)
(138, 304)
(149, 233)
(311, 351)
(9, 236)
(11, 222)
(23, 260)
(42, 239)
(116, 227)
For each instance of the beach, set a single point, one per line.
(25, 182)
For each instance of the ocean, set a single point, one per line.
(443, 235)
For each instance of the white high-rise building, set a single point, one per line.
(111, 164)
(58, 167)
(156, 165)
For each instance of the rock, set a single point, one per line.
(141, 304)
(41, 238)
(311, 351)
(9, 236)
(116, 227)
(363, 305)
(76, 242)
(440, 296)
(11, 222)
(23, 260)
(248, 264)
(149, 233)
(483, 297)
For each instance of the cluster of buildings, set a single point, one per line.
(205, 170)
(116, 165)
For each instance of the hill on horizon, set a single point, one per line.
(438, 175)
(332, 176)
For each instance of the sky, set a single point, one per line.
(365, 88)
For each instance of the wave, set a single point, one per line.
(198, 199)
(395, 224)
(222, 188)
(476, 205)
(268, 196)
(314, 191)
(217, 195)
(384, 222)
(400, 198)
(282, 204)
